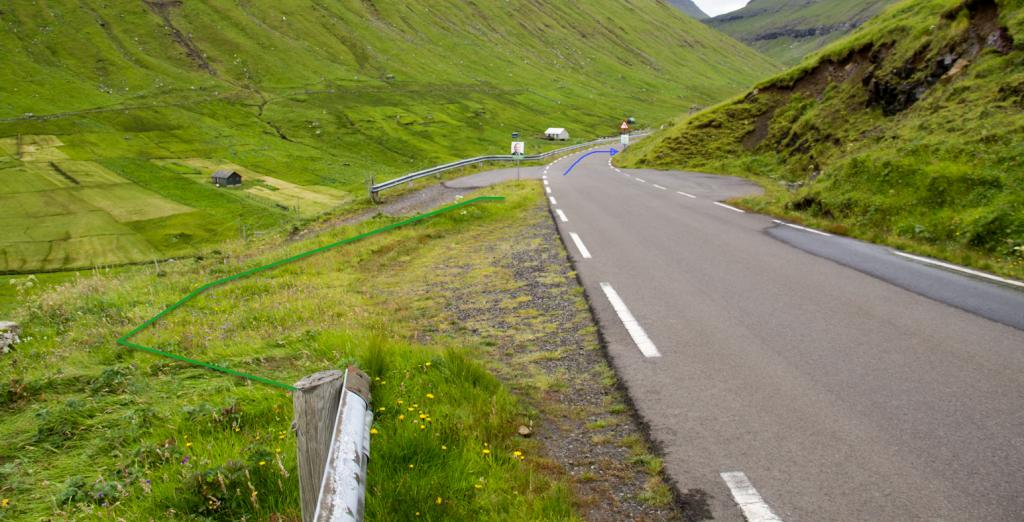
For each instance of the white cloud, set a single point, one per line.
(717, 7)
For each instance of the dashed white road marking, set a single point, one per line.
(805, 229)
(553, 201)
(561, 215)
(734, 209)
(579, 245)
(640, 338)
(545, 183)
(958, 268)
(547, 189)
(748, 499)
(544, 177)
(691, 196)
(641, 180)
(659, 187)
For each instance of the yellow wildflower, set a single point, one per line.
(478, 486)
(263, 463)
(188, 444)
(428, 363)
(487, 452)
(443, 447)
(401, 417)
(517, 453)
(381, 408)
(430, 395)
(6, 502)
(411, 466)
(373, 431)
(438, 501)
(422, 416)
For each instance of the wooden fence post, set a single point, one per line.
(316, 400)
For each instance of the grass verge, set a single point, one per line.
(94, 431)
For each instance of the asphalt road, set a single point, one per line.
(793, 375)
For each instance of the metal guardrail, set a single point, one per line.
(379, 187)
(332, 425)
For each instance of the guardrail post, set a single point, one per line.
(316, 399)
(343, 488)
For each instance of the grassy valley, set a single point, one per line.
(908, 132)
(113, 116)
(789, 30)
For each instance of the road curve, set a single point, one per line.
(793, 375)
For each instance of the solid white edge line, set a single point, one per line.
(958, 268)
(748, 499)
(734, 209)
(691, 196)
(805, 229)
(640, 338)
(659, 187)
(553, 201)
(579, 245)
(561, 215)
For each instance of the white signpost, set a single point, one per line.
(518, 149)
(624, 134)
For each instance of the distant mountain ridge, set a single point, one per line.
(789, 30)
(690, 9)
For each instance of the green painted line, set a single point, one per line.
(123, 341)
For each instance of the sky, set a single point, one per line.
(717, 7)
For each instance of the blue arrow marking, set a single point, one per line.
(611, 151)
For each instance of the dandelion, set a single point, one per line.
(188, 444)
(438, 501)
(427, 363)
(478, 486)
(400, 402)
(410, 409)
(423, 426)
(278, 450)
(422, 416)
(411, 466)
(263, 463)
(381, 408)
(5, 502)
(430, 395)
(487, 451)
(444, 448)
(517, 454)
(373, 431)
(401, 417)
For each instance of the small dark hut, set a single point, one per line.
(226, 178)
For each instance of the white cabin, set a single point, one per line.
(556, 134)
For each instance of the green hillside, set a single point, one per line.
(113, 115)
(909, 132)
(789, 30)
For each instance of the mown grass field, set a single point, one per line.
(93, 431)
(321, 96)
(879, 136)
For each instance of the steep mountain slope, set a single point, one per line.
(789, 30)
(910, 131)
(114, 114)
(690, 9)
